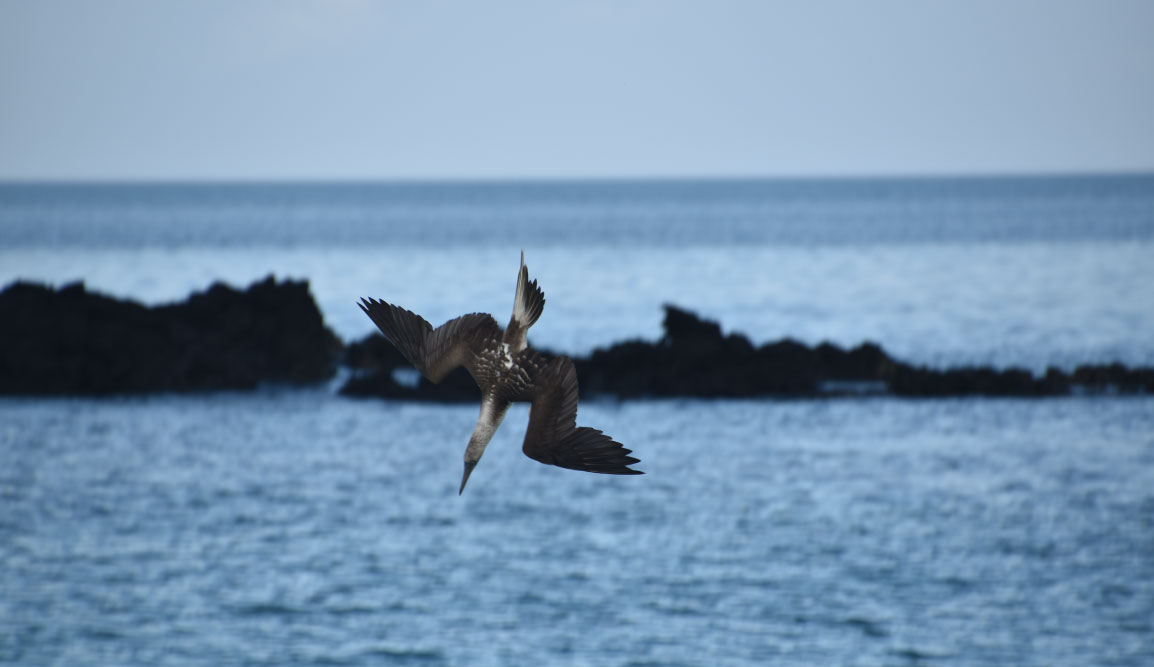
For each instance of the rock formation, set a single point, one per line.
(693, 358)
(72, 341)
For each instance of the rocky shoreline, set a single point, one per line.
(694, 359)
(70, 341)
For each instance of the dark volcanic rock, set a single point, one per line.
(694, 358)
(867, 361)
(72, 341)
(906, 380)
(1114, 378)
(373, 353)
(626, 369)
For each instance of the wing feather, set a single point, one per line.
(553, 436)
(434, 352)
(528, 303)
(529, 300)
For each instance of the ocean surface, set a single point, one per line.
(1006, 272)
(293, 526)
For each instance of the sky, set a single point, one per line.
(535, 89)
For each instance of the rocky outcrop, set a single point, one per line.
(694, 358)
(72, 341)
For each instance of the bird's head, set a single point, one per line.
(473, 453)
(492, 412)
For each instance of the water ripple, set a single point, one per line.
(294, 528)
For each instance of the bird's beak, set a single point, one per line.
(469, 465)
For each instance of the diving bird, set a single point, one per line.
(507, 370)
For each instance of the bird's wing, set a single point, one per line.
(553, 436)
(434, 352)
(528, 302)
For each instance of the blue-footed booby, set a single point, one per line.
(506, 369)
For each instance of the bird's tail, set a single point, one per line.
(529, 301)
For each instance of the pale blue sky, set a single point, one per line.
(283, 89)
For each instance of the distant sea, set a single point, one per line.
(1022, 271)
(293, 526)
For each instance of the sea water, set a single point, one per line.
(293, 526)
(1027, 272)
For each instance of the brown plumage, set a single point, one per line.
(507, 370)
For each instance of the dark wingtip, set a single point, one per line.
(367, 303)
(627, 471)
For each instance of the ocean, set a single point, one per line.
(294, 526)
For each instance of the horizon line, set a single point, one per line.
(580, 180)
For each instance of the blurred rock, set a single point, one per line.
(72, 341)
(1114, 378)
(694, 358)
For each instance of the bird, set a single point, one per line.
(506, 370)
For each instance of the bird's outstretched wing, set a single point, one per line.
(434, 352)
(553, 436)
